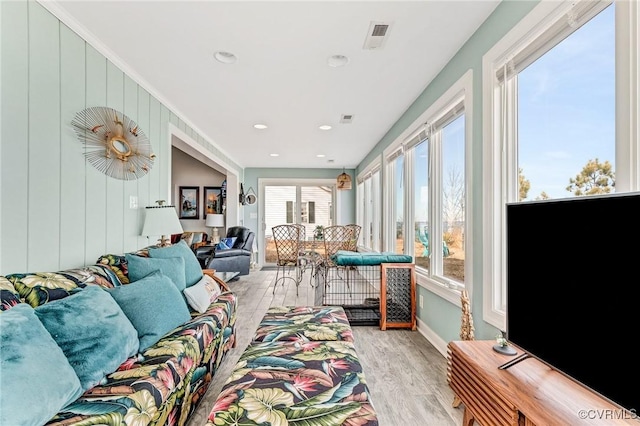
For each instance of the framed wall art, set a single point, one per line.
(189, 199)
(212, 200)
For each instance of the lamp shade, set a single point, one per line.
(161, 220)
(214, 221)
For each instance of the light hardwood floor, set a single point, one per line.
(406, 375)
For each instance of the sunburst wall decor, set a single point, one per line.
(113, 143)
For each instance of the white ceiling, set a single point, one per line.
(281, 77)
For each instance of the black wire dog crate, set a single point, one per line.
(355, 288)
(371, 294)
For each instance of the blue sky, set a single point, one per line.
(566, 108)
(566, 114)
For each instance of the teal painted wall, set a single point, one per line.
(439, 315)
(251, 176)
(56, 210)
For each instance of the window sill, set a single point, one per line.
(440, 289)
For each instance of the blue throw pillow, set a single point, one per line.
(230, 241)
(92, 331)
(222, 246)
(37, 380)
(153, 305)
(172, 267)
(192, 268)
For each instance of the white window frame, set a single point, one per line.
(376, 209)
(369, 238)
(389, 229)
(460, 91)
(304, 212)
(500, 162)
(360, 210)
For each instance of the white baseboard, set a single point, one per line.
(433, 338)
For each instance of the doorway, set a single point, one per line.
(312, 204)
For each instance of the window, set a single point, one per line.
(308, 212)
(396, 168)
(421, 204)
(560, 115)
(453, 199)
(428, 175)
(369, 208)
(290, 212)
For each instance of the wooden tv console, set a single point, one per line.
(526, 394)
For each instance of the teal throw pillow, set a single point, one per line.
(172, 267)
(92, 331)
(154, 306)
(36, 380)
(192, 268)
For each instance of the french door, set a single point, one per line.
(312, 204)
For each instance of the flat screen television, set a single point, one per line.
(573, 289)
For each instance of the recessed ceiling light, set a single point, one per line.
(260, 126)
(225, 57)
(320, 155)
(337, 61)
(325, 127)
(275, 155)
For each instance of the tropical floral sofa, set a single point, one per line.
(160, 385)
(300, 368)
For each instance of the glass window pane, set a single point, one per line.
(566, 115)
(421, 204)
(376, 212)
(368, 214)
(316, 207)
(360, 211)
(399, 204)
(453, 199)
(279, 202)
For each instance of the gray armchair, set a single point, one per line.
(235, 259)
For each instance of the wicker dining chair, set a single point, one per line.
(336, 237)
(354, 235)
(287, 241)
(309, 258)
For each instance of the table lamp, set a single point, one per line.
(214, 221)
(161, 220)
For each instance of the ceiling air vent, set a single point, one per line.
(377, 35)
(346, 118)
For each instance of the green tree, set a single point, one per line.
(595, 178)
(523, 185)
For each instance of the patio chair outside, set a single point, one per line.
(423, 237)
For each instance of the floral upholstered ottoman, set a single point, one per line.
(304, 323)
(280, 383)
(301, 368)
